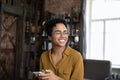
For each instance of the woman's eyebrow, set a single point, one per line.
(57, 30)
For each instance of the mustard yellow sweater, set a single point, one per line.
(70, 67)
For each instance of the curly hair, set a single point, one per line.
(52, 23)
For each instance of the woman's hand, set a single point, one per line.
(48, 75)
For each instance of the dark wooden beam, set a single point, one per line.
(18, 11)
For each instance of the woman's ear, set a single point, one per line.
(49, 38)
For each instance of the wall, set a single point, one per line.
(60, 6)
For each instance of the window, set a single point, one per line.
(103, 30)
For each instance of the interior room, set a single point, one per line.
(94, 28)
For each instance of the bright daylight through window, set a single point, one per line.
(103, 30)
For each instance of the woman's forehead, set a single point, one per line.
(59, 26)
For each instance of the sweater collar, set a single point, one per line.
(66, 51)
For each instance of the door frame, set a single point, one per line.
(18, 12)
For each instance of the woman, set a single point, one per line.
(61, 62)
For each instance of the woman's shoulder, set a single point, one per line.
(75, 55)
(45, 53)
(73, 52)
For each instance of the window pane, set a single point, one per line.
(112, 46)
(96, 46)
(105, 9)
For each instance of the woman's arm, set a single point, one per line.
(78, 70)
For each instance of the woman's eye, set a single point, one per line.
(66, 32)
(57, 32)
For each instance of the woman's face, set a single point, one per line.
(59, 35)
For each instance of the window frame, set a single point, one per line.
(89, 21)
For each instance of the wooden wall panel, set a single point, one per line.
(7, 52)
(64, 6)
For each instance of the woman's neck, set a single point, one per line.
(58, 50)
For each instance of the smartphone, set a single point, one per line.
(38, 72)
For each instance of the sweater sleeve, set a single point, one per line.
(78, 70)
(41, 65)
(61, 79)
